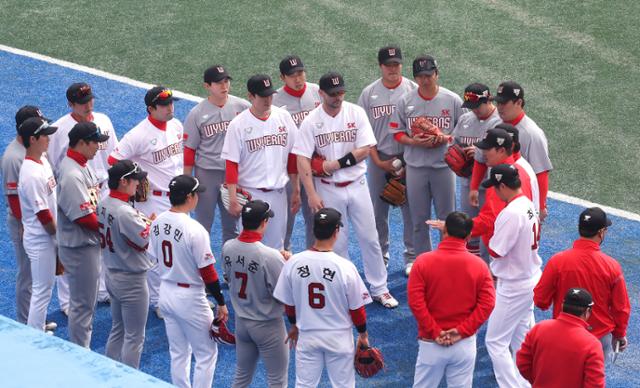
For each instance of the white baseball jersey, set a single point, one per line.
(323, 287)
(261, 148)
(37, 192)
(533, 143)
(515, 239)
(334, 137)
(181, 246)
(298, 107)
(535, 189)
(59, 143)
(158, 152)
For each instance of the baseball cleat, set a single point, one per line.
(158, 313)
(407, 269)
(386, 300)
(50, 326)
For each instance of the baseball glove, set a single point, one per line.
(394, 192)
(242, 195)
(142, 192)
(459, 161)
(219, 333)
(316, 165)
(368, 361)
(423, 128)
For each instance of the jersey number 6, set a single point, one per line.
(316, 298)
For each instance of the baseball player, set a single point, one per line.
(586, 266)
(561, 352)
(451, 294)
(516, 265)
(379, 99)
(37, 196)
(340, 132)
(78, 234)
(324, 297)
(204, 132)
(257, 150)
(523, 163)
(11, 162)
(80, 99)
(182, 248)
(156, 145)
(510, 103)
(428, 177)
(124, 237)
(252, 270)
(298, 97)
(471, 128)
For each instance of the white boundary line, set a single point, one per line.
(191, 97)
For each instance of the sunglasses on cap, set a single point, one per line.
(163, 95)
(41, 128)
(136, 170)
(195, 187)
(84, 91)
(95, 133)
(472, 97)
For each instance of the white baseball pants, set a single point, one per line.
(42, 256)
(331, 348)
(456, 362)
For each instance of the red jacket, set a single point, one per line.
(587, 267)
(561, 353)
(450, 287)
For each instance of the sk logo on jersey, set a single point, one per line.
(351, 125)
(282, 129)
(445, 112)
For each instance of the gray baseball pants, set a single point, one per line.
(23, 275)
(206, 209)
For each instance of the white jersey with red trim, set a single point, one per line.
(515, 239)
(37, 192)
(535, 189)
(261, 148)
(158, 152)
(181, 245)
(334, 137)
(323, 287)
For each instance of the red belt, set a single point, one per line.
(265, 190)
(337, 184)
(184, 285)
(159, 193)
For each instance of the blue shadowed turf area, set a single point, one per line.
(29, 81)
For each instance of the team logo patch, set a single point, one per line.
(365, 295)
(220, 69)
(498, 177)
(154, 141)
(392, 52)
(516, 92)
(351, 125)
(500, 88)
(587, 217)
(319, 125)
(335, 81)
(445, 112)
(499, 140)
(293, 62)
(410, 108)
(374, 96)
(248, 129)
(266, 83)
(282, 128)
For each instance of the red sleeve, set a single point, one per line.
(209, 274)
(416, 297)
(358, 316)
(543, 185)
(493, 254)
(231, 173)
(594, 376)
(290, 311)
(14, 205)
(292, 164)
(524, 357)
(620, 307)
(398, 136)
(483, 223)
(135, 246)
(189, 156)
(90, 221)
(44, 216)
(544, 292)
(111, 160)
(479, 172)
(484, 306)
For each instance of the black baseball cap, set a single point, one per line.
(79, 93)
(496, 137)
(36, 126)
(389, 54)
(125, 168)
(424, 64)
(509, 91)
(216, 73)
(578, 297)
(593, 219)
(158, 95)
(26, 112)
(254, 212)
(513, 132)
(332, 82)
(475, 95)
(327, 219)
(502, 173)
(291, 64)
(182, 185)
(87, 131)
(261, 85)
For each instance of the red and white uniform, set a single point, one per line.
(346, 190)
(181, 246)
(521, 163)
(326, 290)
(260, 149)
(516, 264)
(560, 353)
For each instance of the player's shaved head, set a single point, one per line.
(458, 224)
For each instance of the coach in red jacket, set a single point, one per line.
(451, 295)
(586, 266)
(561, 352)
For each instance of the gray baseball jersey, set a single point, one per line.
(126, 236)
(380, 103)
(470, 129)
(298, 107)
(443, 110)
(533, 145)
(205, 129)
(77, 197)
(11, 162)
(252, 270)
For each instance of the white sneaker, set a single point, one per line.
(407, 269)
(158, 313)
(48, 332)
(50, 326)
(386, 300)
(65, 311)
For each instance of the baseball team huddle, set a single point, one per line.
(104, 219)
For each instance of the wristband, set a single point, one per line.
(347, 161)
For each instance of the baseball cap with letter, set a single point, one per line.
(496, 137)
(34, 126)
(502, 173)
(291, 64)
(87, 131)
(389, 54)
(182, 185)
(261, 85)
(475, 95)
(254, 212)
(125, 168)
(509, 91)
(332, 82)
(79, 93)
(578, 297)
(424, 64)
(27, 112)
(158, 95)
(593, 219)
(216, 73)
